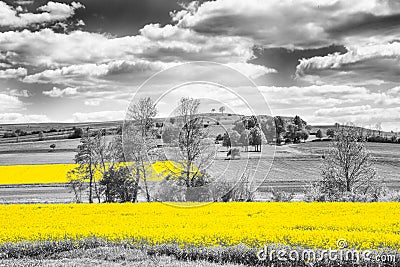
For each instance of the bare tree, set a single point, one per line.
(195, 147)
(348, 166)
(140, 139)
(86, 164)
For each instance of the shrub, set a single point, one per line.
(77, 133)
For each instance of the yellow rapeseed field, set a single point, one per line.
(56, 173)
(317, 225)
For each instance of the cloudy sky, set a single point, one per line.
(327, 61)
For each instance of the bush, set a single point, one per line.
(281, 196)
(9, 135)
(77, 133)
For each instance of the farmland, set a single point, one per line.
(314, 225)
(290, 168)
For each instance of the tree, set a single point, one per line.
(239, 126)
(53, 146)
(235, 136)
(170, 134)
(195, 147)
(226, 141)
(303, 134)
(268, 128)
(291, 132)
(77, 133)
(319, 134)
(40, 135)
(299, 123)
(219, 137)
(255, 138)
(347, 167)
(280, 127)
(140, 141)
(222, 109)
(118, 184)
(76, 180)
(330, 133)
(244, 139)
(213, 110)
(86, 164)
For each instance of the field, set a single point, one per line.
(290, 168)
(230, 229)
(314, 225)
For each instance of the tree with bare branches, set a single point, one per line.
(348, 166)
(140, 140)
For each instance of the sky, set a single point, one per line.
(327, 61)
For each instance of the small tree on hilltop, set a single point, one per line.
(347, 167)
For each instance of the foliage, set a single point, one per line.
(255, 138)
(77, 133)
(330, 133)
(319, 134)
(118, 185)
(231, 139)
(268, 128)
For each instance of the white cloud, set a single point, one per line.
(92, 102)
(98, 116)
(13, 73)
(52, 11)
(355, 55)
(57, 92)
(251, 70)
(8, 102)
(17, 92)
(22, 118)
(95, 70)
(280, 23)
(364, 114)
(166, 44)
(317, 95)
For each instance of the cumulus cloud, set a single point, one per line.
(353, 56)
(251, 70)
(52, 11)
(57, 92)
(155, 43)
(13, 73)
(9, 102)
(277, 23)
(95, 70)
(373, 64)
